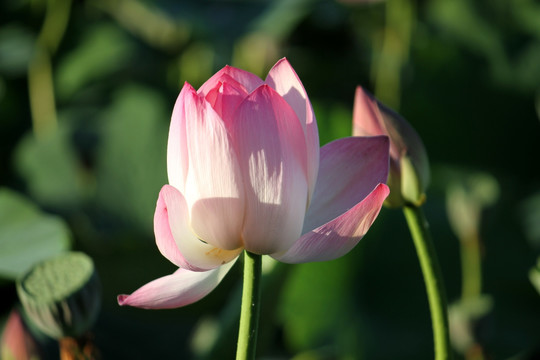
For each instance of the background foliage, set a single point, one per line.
(86, 92)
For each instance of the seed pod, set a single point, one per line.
(61, 295)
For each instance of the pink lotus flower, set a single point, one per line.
(17, 342)
(409, 166)
(245, 173)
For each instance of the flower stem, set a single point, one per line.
(425, 250)
(393, 51)
(251, 301)
(471, 267)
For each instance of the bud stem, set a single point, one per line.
(431, 271)
(251, 301)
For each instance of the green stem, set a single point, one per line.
(40, 73)
(471, 263)
(251, 301)
(393, 51)
(41, 93)
(425, 249)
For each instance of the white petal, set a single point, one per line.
(175, 239)
(177, 153)
(214, 186)
(286, 82)
(272, 156)
(181, 288)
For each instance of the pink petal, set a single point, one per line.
(175, 239)
(286, 82)
(214, 187)
(350, 169)
(248, 80)
(404, 140)
(181, 288)
(217, 80)
(272, 155)
(17, 341)
(162, 230)
(225, 98)
(337, 237)
(367, 118)
(371, 118)
(177, 153)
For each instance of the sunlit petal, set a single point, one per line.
(248, 80)
(175, 239)
(286, 82)
(181, 288)
(177, 151)
(214, 187)
(225, 98)
(272, 155)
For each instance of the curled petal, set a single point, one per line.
(272, 155)
(350, 169)
(286, 82)
(225, 98)
(339, 236)
(216, 81)
(175, 239)
(248, 80)
(181, 288)
(162, 230)
(214, 188)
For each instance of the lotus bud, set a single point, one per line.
(409, 166)
(246, 173)
(17, 341)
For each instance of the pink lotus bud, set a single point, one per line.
(409, 166)
(17, 342)
(246, 173)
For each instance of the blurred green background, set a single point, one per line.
(86, 93)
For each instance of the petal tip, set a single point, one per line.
(283, 60)
(122, 299)
(383, 189)
(362, 94)
(187, 87)
(385, 140)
